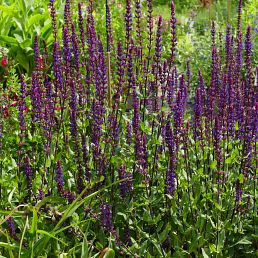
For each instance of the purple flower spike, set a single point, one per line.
(248, 56)
(59, 178)
(240, 5)
(11, 229)
(170, 175)
(29, 173)
(158, 48)
(106, 217)
(109, 28)
(173, 22)
(81, 25)
(126, 186)
(36, 54)
(128, 24)
(138, 16)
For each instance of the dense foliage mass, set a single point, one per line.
(108, 150)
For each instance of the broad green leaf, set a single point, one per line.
(23, 60)
(194, 243)
(213, 164)
(23, 7)
(26, 45)
(48, 162)
(8, 9)
(164, 233)
(228, 160)
(18, 23)
(43, 232)
(10, 196)
(222, 237)
(204, 254)
(241, 178)
(18, 37)
(33, 20)
(9, 40)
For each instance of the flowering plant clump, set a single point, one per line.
(113, 150)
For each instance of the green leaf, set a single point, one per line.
(9, 40)
(243, 241)
(34, 222)
(48, 162)
(180, 254)
(213, 164)
(6, 9)
(241, 178)
(23, 60)
(23, 233)
(222, 237)
(33, 20)
(18, 23)
(110, 253)
(204, 254)
(23, 7)
(43, 232)
(85, 248)
(218, 206)
(29, 135)
(14, 164)
(10, 195)
(49, 199)
(194, 243)
(212, 248)
(237, 126)
(9, 246)
(165, 232)
(228, 160)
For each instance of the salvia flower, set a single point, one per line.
(248, 56)
(109, 28)
(59, 178)
(11, 228)
(81, 25)
(138, 16)
(126, 186)
(173, 22)
(36, 97)
(158, 47)
(170, 174)
(53, 17)
(240, 5)
(28, 173)
(106, 217)
(21, 117)
(128, 23)
(36, 54)
(150, 24)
